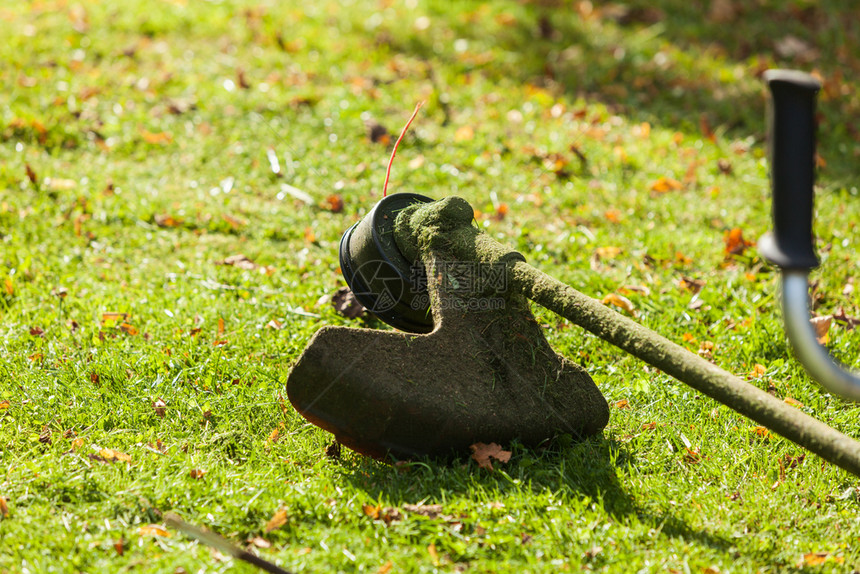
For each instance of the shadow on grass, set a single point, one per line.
(574, 473)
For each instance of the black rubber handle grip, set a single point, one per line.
(792, 169)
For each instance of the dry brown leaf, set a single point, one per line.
(277, 520)
(758, 371)
(649, 426)
(692, 455)
(815, 558)
(128, 329)
(822, 327)
(196, 473)
(160, 407)
(239, 260)
(260, 542)
(619, 301)
(165, 220)
(434, 555)
(793, 402)
(113, 318)
(385, 568)
(377, 133)
(4, 508)
(31, 175)
(153, 530)
(722, 11)
(5, 405)
(345, 303)
(111, 455)
(428, 510)
(622, 404)
(482, 453)
(735, 244)
(333, 203)
(464, 133)
(156, 138)
(762, 432)
(607, 252)
(665, 184)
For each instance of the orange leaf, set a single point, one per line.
(822, 326)
(649, 426)
(5, 405)
(128, 328)
(793, 402)
(153, 530)
(665, 184)
(758, 371)
(333, 203)
(220, 326)
(608, 252)
(113, 455)
(482, 453)
(9, 286)
(622, 404)
(735, 244)
(619, 301)
(761, 431)
(464, 133)
(4, 508)
(113, 318)
(196, 473)
(815, 558)
(278, 520)
(159, 138)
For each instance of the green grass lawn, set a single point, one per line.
(614, 145)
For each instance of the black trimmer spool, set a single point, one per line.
(382, 279)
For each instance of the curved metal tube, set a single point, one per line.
(811, 354)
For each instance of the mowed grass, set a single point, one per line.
(615, 146)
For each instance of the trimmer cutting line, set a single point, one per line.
(476, 366)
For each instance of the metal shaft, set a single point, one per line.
(717, 383)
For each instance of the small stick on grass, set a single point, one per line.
(397, 143)
(221, 544)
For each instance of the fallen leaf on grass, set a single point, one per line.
(434, 555)
(793, 402)
(386, 515)
(761, 432)
(665, 184)
(692, 455)
(734, 241)
(153, 530)
(464, 133)
(260, 542)
(5, 405)
(428, 510)
(622, 404)
(818, 558)
(377, 133)
(197, 473)
(619, 301)
(111, 455)
(128, 329)
(822, 326)
(482, 453)
(333, 203)
(109, 319)
(4, 508)
(385, 568)
(345, 303)
(165, 220)
(156, 138)
(239, 260)
(758, 371)
(31, 175)
(276, 521)
(649, 426)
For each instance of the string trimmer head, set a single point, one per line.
(483, 373)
